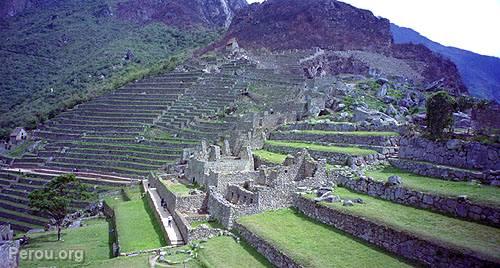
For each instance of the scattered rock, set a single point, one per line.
(348, 203)
(358, 201)
(394, 180)
(462, 198)
(454, 144)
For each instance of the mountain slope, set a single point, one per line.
(480, 73)
(56, 56)
(336, 26)
(181, 13)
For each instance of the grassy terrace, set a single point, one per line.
(124, 157)
(436, 227)
(137, 228)
(19, 150)
(313, 244)
(475, 192)
(347, 133)
(226, 252)
(122, 152)
(115, 161)
(131, 147)
(171, 141)
(93, 238)
(322, 148)
(180, 189)
(84, 166)
(270, 157)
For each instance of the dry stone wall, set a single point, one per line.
(402, 243)
(456, 153)
(270, 252)
(457, 207)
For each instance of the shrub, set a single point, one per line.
(440, 107)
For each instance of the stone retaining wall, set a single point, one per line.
(8, 259)
(442, 172)
(446, 205)
(455, 153)
(270, 252)
(156, 209)
(427, 252)
(220, 209)
(389, 141)
(331, 157)
(110, 215)
(189, 203)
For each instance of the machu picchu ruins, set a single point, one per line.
(295, 134)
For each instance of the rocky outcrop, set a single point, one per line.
(181, 13)
(432, 66)
(298, 24)
(335, 26)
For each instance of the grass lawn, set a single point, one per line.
(224, 251)
(313, 244)
(426, 224)
(476, 192)
(93, 239)
(322, 148)
(348, 133)
(141, 261)
(270, 157)
(180, 188)
(136, 224)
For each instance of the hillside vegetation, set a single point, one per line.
(58, 56)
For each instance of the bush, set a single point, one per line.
(440, 107)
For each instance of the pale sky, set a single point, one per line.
(467, 24)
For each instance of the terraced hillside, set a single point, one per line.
(137, 129)
(423, 219)
(14, 203)
(341, 143)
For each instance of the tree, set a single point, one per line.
(56, 196)
(440, 107)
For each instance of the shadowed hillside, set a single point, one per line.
(59, 55)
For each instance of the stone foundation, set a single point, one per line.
(427, 252)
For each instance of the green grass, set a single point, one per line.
(313, 244)
(20, 149)
(322, 148)
(136, 225)
(475, 192)
(180, 189)
(224, 251)
(349, 133)
(76, 54)
(425, 224)
(93, 239)
(141, 261)
(270, 157)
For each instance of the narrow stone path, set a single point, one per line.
(174, 235)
